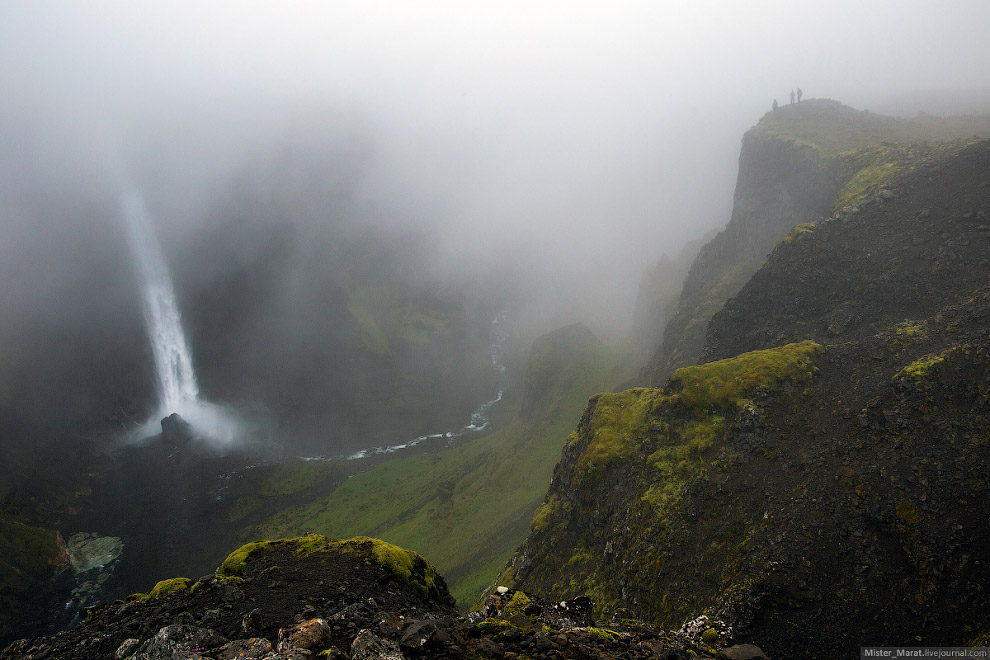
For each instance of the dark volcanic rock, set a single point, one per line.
(176, 432)
(370, 603)
(818, 509)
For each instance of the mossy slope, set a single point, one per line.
(820, 500)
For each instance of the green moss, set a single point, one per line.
(543, 512)
(619, 422)
(406, 565)
(604, 634)
(920, 368)
(710, 636)
(909, 329)
(726, 382)
(237, 560)
(516, 605)
(907, 512)
(493, 626)
(166, 587)
(803, 228)
(857, 187)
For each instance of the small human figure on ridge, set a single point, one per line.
(799, 95)
(792, 97)
(775, 106)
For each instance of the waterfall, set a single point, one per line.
(177, 388)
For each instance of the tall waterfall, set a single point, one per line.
(177, 388)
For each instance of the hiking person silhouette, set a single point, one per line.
(775, 106)
(792, 96)
(799, 94)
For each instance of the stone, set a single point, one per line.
(741, 652)
(522, 622)
(369, 646)
(254, 648)
(251, 622)
(176, 431)
(179, 642)
(418, 634)
(306, 635)
(127, 648)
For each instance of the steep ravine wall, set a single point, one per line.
(817, 496)
(781, 184)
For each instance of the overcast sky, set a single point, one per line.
(596, 134)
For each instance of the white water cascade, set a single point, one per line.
(177, 388)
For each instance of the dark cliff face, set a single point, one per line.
(901, 253)
(814, 496)
(781, 183)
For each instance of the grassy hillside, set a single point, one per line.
(469, 507)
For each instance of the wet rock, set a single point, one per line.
(741, 652)
(179, 643)
(251, 622)
(254, 648)
(307, 635)
(418, 635)
(369, 646)
(176, 431)
(127, 648)
(88, 551)
(522, 622)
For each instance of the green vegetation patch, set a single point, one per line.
(861, 182)
(383, 318)
(27, 555)
(406, 566)
(237, 560)
(832, 128)
(803, 228)
(360, 303)
(603, 634)
(516, 605)
(243, 507)
(543, 512)
(910, 330)
(166, 587)
(619, 423)
(289, 479)
(920, 368)
(726, 383)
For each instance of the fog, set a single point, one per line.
(548, 151)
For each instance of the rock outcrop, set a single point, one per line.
(360, 599)
(822, 485)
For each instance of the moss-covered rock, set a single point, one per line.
(171, 586)
(406, 566)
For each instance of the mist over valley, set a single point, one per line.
(357, 269)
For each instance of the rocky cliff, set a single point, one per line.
(361, 599)
(822, 484)
(796, 165)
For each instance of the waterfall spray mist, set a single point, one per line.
(177, 388)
